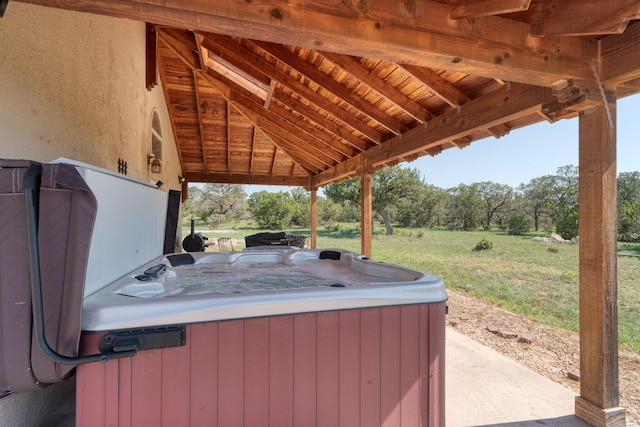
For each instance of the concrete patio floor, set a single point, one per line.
(485, 388)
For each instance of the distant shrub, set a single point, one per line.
(420, 234)
(483, 245)
(333, 228)
(518, 225)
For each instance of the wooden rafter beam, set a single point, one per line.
(254, 133)
(477, 8)
(621, 56)
(583, 17)
(228, 46)
(312, 162)
(228, 131)
(231, 178)
(312, 133)
(355, 68)
(418, 33)
(345, 95)
(328, 125)
(200, 123)
(440, 87)
(504, 104)
(447, 92)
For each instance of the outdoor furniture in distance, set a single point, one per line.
(275, 239)
(225, 244)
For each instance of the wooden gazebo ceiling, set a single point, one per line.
(312, 92)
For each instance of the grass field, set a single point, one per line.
(534, 279)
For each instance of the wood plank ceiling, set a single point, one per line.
(310, 92)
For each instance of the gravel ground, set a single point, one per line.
(553, 352)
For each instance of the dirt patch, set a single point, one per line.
(553, 353)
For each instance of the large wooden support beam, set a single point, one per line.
(621, 56)
(314, 218)
(599, 395)
(418, 33)
(507, 103)
(366, 214)
(231, 178)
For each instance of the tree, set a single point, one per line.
(629, 206)
(422, 208)
(463, 208)
(537, 199)
(328, 211)
(389, 187)
(301, 215)
(564, 193)
(272, 210)
(191, 207)
(494, 198)
(215, 204)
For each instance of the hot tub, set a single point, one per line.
(271, 337)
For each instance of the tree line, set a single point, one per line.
(402, 197)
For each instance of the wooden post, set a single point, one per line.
(314, 218)
(365, 214)
(599, 395)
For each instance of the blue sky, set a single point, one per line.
(523, 154)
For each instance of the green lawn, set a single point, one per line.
(535, 279)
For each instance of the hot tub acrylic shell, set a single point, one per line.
(363, 354)
(358, 282)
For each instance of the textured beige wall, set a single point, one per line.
(72, 85)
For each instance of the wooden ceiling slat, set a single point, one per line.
(330, 144)
(447, 92)
(275, 124)
(313, 115)
(224, 44)
(304, 68)
(353, 67)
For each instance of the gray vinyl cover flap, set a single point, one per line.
(67, 210)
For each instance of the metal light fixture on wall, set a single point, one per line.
(155, 163)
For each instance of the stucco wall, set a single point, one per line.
(73, 85)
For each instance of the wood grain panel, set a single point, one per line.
(349, 368)
(410, 366)
(257, 375)
(231, 374)
(281, 371)
(305, 351)
(176, 389)
(203, 340)
(366, 367)
(328, 325)
(146, 389)
(370, 366)
(390, 362)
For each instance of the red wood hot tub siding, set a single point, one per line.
(365, 367)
